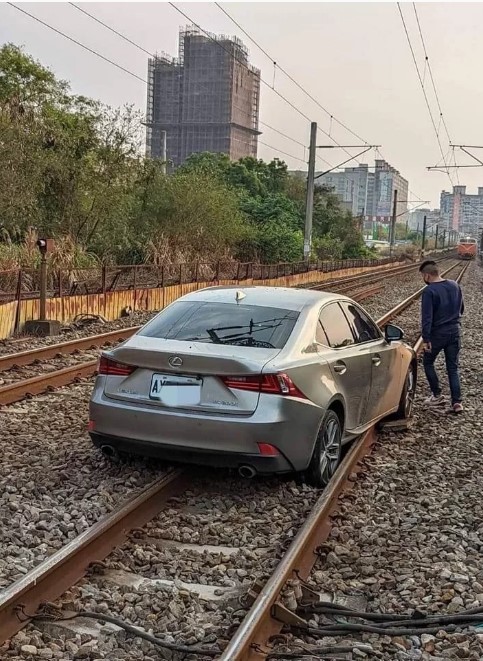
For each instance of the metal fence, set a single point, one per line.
(24, 284)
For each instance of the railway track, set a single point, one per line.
(268, 613)
(38, 384)
(343, 285)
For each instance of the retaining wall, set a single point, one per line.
(109, 305)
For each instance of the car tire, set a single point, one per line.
(327, 451)
(407, 396)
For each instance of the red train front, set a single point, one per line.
(467, 248)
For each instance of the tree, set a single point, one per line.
(71, 168)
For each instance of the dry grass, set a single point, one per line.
(66, 255)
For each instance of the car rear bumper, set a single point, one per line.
(288, 424)
(178, 454)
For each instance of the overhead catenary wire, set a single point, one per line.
(122, 68)
(243, 64)
(150, 54)
(297, 84)
(424, 91)
(428, 63)
(290, 77)
(262, 80)
(144, 50)
(111, 29)
(78, 43)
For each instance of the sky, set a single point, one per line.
(353, 58)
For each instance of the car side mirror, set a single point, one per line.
(393, 333)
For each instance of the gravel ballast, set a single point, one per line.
(407, 536)
(54, 483)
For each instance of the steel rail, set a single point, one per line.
(29, 356)
(372, 275)
(64, 348)
(400, 307)
(259, 625)
(65, 567)
(37, 385)
(251, 640)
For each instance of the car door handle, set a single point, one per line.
(340, 368)
(376, 360)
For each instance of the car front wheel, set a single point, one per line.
(327, 451)
(407, 396)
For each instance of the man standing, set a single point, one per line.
(441, 309)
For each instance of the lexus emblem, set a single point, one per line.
(175, 361)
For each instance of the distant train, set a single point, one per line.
(467, 248)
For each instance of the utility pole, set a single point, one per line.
(393, 224)
(444, 238)
(164, 158)
(406, 233)
(309, 204)
(423, 242)
(436, 239)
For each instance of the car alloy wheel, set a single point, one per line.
(327, 451)
(407, 396)
(410, 392)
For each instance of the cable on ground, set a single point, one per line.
(129, 628)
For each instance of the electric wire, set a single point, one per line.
(142, 49)
(290, 77)
(246, 66)
(111, 29)
(131, 73)
(243, 64)
(431, 73)
(423, 90)
(78, 43)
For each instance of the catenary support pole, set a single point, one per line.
(393, 223)
(423, 241)
(163, 152)
(309, 204)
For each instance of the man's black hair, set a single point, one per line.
(428, 262)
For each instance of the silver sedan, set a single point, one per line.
(262, 379)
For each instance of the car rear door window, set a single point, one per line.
(223, 323)
(363, 328)
(336, 326)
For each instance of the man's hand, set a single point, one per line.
(426, 346)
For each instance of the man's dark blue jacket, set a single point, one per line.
(441, 309)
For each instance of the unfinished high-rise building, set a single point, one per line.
(206, 100)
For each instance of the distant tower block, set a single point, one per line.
(207, 100)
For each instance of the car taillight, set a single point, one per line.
(109, 367)
(270, 384)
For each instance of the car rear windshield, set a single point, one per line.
(223, 323)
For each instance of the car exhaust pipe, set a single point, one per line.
(247, 472)
(110, 452)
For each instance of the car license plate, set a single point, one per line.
(174, 390)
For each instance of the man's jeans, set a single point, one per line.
(451, 345)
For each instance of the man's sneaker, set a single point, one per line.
(457, 408)
(434, 401)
